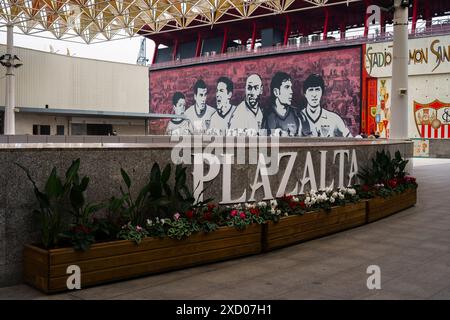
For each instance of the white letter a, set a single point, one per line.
(74, 280)
(374, 281)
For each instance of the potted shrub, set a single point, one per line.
(144, 245)
(386, 186)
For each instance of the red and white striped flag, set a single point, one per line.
(427, 131)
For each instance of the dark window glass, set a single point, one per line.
(60, 130)
(45, 130)
(35, 129)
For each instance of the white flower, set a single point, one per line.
(272, 211)
(149, 222)
(329, 190)
(273, 203)
(163, 221)
(351, 191)
(307, 199)
(295, 199)
(335, 195)
(262, 204)
(341, 196)
(286, 214)
(278, 211)
(332, 200)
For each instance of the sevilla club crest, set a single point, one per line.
(433, 119)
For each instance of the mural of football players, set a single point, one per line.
(220, 120)
(281, 115)
(179, 126)
(248, 114)
(200, 113)
(323, 123)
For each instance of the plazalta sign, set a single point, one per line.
(426, 56)
(255, 169)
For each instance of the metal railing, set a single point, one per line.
(443, 27)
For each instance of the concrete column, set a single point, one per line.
(399, 102)
(10, 122)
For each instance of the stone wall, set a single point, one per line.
(102, 165)
(439, 148)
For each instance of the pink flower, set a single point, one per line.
(242, 215)
(138, 228)
(233, 213)
(176, 216)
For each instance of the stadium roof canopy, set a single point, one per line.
(100, 20)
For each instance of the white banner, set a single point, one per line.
(426, 56)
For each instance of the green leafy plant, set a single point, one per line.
(80, 236)
(383, 168)
(385, 177)
(133, 209)
(52, 202)
(131, 232)
(180, 228)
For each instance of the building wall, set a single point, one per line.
(25, 122)
(66, 82)
(429, 83)
(130, 130)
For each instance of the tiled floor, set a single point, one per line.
(412, 249)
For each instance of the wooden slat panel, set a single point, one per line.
(150, 267)
(379, 208)
(292, 230)
(295, 224)
(312, 234)
(112, 248)
(179, 250)
(36, 267)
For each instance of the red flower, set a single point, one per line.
(82, 229)
(365, 188)
(207, 216)
(392, 183)
(302, 204)
(409, 179)
(254, 211)
(211, 207)
(242, 215)
(189, 214)
(233, 213)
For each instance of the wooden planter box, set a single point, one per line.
(122, 259)
(379, 208)
(294, 229)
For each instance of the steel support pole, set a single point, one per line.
(399, 103)
(10, 123)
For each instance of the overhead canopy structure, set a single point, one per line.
(100, 20)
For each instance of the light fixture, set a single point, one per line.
(8, 60)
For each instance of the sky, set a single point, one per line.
(125, 50)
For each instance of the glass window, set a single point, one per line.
(45, 130)
(59, 130)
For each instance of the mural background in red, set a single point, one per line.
(340, 68)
